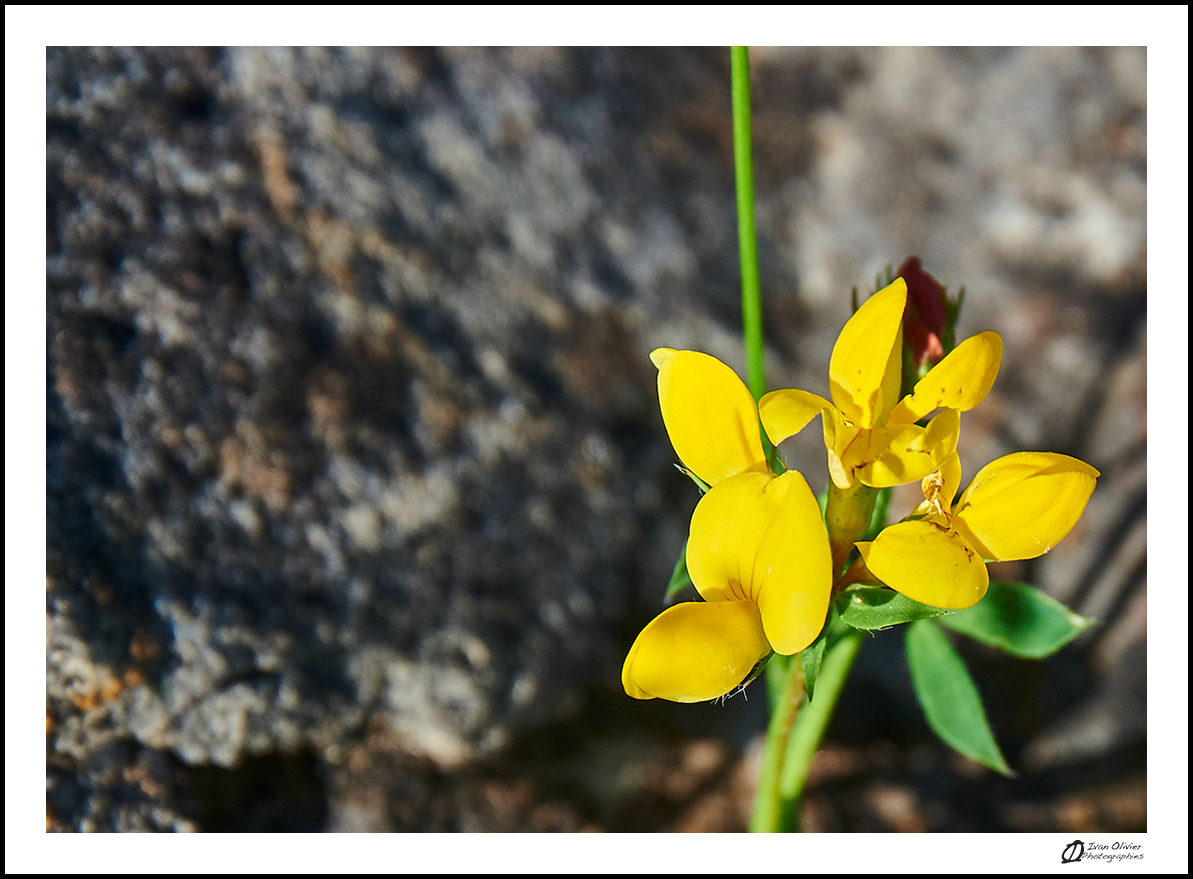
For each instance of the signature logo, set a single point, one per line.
(1074, 851)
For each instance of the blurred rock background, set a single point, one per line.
(357, 488)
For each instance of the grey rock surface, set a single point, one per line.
(352, 433)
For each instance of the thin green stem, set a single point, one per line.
(747, 233)
(776, 680)
(809, 727)
(769, 801)
(777, 676)
(796, 729)
(794, 734)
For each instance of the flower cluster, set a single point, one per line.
(759, 553)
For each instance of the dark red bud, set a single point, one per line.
(925, 295)
(924, 344)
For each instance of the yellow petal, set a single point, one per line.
(785, 413)
(659, 356)
(960, 381)
(710, 415)
(893, 456)
(927, 562)
(727, 528)
(1022, 505)
(867, 362)
(793, 571)
(941, 487)
(897, 454)
(695, 651)
(841, 438)
(942, 433)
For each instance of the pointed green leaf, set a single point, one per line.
(951, 703)
(773, 459)
(1020, 620)
(700, 483)
(811, 658)
(876, 607)
(679, 577)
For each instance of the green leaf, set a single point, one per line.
(1020, 620)
(679, 577)
(877, 607)
(951, 703)
(773, 459)
(700, 483)
(811, 658)
(777, 465)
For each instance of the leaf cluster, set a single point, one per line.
(1015, 618)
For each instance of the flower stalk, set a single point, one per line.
(751, 292)
(809, 728)
(792, 737)
(769, 805)
(796, 729)
(747, 233)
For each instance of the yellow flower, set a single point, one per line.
(871, 434)
(1017, 507)
(757, 552)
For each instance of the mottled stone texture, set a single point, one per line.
(352, 434)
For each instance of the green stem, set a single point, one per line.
(768, 801)
(796, 729)
(747, 233)
(776, 680)
(813, 720)
(794, 733)
(747, 238)
(751, 290)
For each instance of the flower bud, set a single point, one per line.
(924, 315)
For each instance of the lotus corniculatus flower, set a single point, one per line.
(757, 553)
(871, 435)
(1017, 507)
